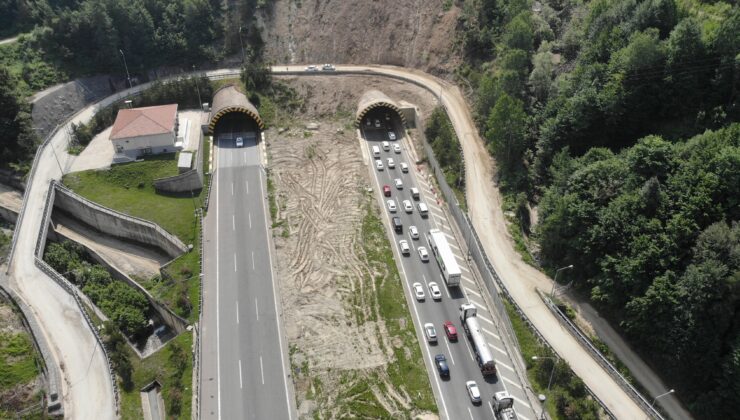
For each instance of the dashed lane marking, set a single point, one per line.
(491, 333)
(473, 293)
(498, 362)
(482, 317)
(511, 382)
(523, 417)
(498, 349)
(521, 401)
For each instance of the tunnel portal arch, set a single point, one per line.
(229, 100)
(374, 99)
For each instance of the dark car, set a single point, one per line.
(441, 362)
(387, 190)
(450, 330)
(397, 225)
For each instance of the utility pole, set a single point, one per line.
(128, 76)
(241, 42)
(200, 101)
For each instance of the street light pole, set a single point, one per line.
(555, 280)
(552, 371)
(200, 101)
(670, 391)
(128, 77)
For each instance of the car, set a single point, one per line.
(418, 291)
(473, 392)
(379, 164)
(450, 330)
(415, 193)
(391, 206)
(434, 291)
(405, 249)
(441, 362)
(239, 142)
(430, 332)
(414, 232)
(387, 116)
(386, 145)
(312, 68)
(387, 190)
(369, 122)
(423, 210)
(404, 166)
(391, 135)
(328, 67)
(377, 123)
(399, 183)
(397, 225)
(391, 163)
(407, 207)
(397, 148)
(423, 254)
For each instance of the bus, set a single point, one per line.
(444, 256)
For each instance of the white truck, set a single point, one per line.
(503, 406)
(444, 256)
(469, 320)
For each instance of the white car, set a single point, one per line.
(434, 291)
(391, 163)
(379, 164)
(423, 254)
(239, 142)
(404, 166)
(414, 232)
(473, 392)
(430, 332)
(418, 291)
(407, 206)
(377, 125)
(399, 183)
(391, 135)
(312, 68)
(328, 67)
(404, 244)
(391, 206)
(415, 193)
(386, 145)
(397, 148)
(369, 122)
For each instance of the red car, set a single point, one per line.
(386, 190)
(450, 330)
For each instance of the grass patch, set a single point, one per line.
(172, 367)
(567, 397)
(18, 364)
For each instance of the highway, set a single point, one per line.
(452, 397)
(245, 363)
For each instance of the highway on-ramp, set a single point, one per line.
(245, 375)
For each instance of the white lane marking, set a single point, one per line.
(473, 293)
(233, 221)
(262, 371)
(465, 278)
(478, 305)
(447, 343)
(252, 260)
(523, 417)
(464, 269)
(247, 183)
(274, 297)
(522, 402)
(485, 319)
(235, 262)
(218, 315)
(498, 349)
(250, 220)
(240, 374)
(444, 283)
(453, 246)
(465, 340)
(237, 311)
(491, 333)
(245, 158)
(471, 413)
(256, 309)
(511, 382)
(498, 362)
(491, 407)
(232, 188)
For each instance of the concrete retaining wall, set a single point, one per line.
(117, 224)
(185, 182)
(9, 215)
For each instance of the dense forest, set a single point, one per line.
(617, 118)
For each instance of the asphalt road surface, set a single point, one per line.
(452, 397)
(244, 362)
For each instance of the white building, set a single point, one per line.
(144, 131)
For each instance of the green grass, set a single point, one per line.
(159, 366)
(18, 363)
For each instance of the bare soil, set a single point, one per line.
(337, 342)
(409, 33)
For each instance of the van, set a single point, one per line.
(415, 193)
(397, 226)
(423, 209)
(376, 151)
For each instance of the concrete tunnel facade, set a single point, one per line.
(373, 99)
(229, 99)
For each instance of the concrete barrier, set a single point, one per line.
(116, 223)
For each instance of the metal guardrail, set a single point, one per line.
(196, 328)
(600, 358)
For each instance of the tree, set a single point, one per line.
(518, 33)
(505, 132)
(540, 80)
(17, 140)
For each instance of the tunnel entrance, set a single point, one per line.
(374, 105)
(233, 116)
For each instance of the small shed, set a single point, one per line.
(184, 162)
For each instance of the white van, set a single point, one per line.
(423, 209)
(376, 151)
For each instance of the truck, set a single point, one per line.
(483, 355)
(444, 256)
(503, 406)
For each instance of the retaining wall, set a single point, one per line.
(117, 224)
(185, 182)
(9, 215)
